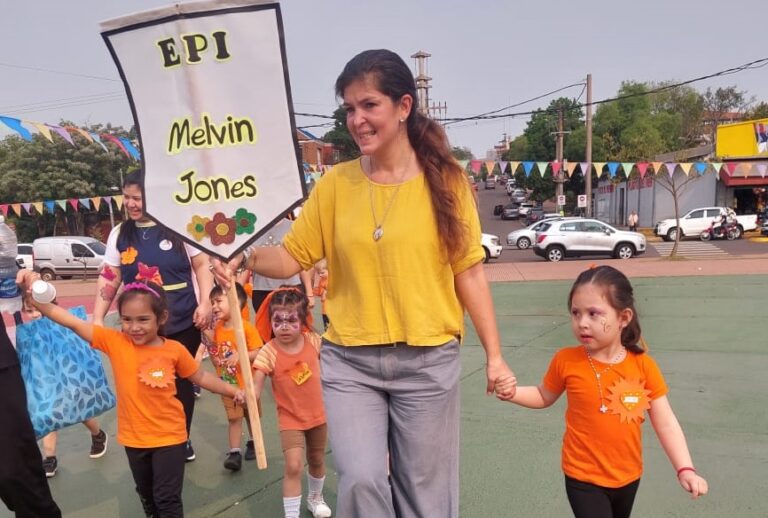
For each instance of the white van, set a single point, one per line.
(67, 256)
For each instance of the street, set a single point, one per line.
(689, 247)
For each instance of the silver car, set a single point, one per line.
(526, 236)
(557, 240)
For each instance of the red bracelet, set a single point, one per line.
(685, 468)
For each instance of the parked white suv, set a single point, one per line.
(698, 220)
(557, 240)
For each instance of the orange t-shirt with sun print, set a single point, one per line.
(604, 448)
(295, 383)
(148, 413)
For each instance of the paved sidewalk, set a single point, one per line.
(704, 320)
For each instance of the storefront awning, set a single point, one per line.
(742, 181)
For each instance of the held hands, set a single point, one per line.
(202, 315)
(224, 272)
(239, 397)
(501, 379)
(693, 483)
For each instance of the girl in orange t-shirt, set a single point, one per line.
(610, 381)
(151, 423)
(292, 360)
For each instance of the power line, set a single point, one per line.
(49, 71)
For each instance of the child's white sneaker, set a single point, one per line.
(317, 506)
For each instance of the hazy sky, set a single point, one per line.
(485, 54)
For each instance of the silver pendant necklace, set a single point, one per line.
(378, 231)
(599, 375)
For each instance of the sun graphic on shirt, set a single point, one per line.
(156, 372)
(628, 398)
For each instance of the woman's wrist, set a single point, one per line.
(684, 469)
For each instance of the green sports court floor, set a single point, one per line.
(707, 333)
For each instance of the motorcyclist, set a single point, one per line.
(718, 227)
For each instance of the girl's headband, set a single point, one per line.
(140, 286)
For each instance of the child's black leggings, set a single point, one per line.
(159, 477)
(592, 501)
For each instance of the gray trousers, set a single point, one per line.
(401, 402)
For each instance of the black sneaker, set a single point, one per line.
(98, 444)
(234, 461)
(250, 451)
(49, 465)
(190, 455)
(197, 390)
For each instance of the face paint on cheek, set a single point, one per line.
(605, 326)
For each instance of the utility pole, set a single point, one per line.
(559, 177)
(588, 154)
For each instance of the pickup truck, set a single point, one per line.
(698, 220)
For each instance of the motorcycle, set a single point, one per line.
(729, 231)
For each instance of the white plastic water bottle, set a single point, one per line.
(43, 292)
(10, 294)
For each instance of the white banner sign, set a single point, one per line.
(582, 201)
(208, 86)
(561, 200)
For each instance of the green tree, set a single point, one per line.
(461, 153)
(42, 170)
(721, 101)
(758, 111)
(339, 136)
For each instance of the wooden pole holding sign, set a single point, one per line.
(220, 163)
(245, 369)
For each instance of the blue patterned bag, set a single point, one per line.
(64, 377)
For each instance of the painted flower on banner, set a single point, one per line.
(129, 256)
(221, 229)
(196, 227)
(157, 372)
(245, 221)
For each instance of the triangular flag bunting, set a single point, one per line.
(38, 205)
(15, 125)
(97, 139)
(86, 202)
(96, 200)
(716, 166)
(542, 167)
(62, 133)
(462, 164)
(700, 167)
(43, 130)
(585, 168)
(686, 167)
(527, 166)
(671, 166)
(73, 203)
(657, 167)
(555, 165)
(475, 165)
(4, 209)
(116, 141)
(502, 166)
(131, 148)
(627, 166)
(746, 168)
(731, 167)
(612, 168)
(599, 168)
(571, 167)
(642, 168)
(26, 207)
(83, 133)
(513, 167)
(16, 208)
(50, 205)
(761, 168)
(118, 200)
(490, 165)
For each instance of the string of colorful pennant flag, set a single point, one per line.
(93, 202)
(25, 128)
(744, 169)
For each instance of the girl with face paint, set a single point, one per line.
(291, 360)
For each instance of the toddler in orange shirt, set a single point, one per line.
(222, 350)
(151, 423)
(292, 360)
(610, 381)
